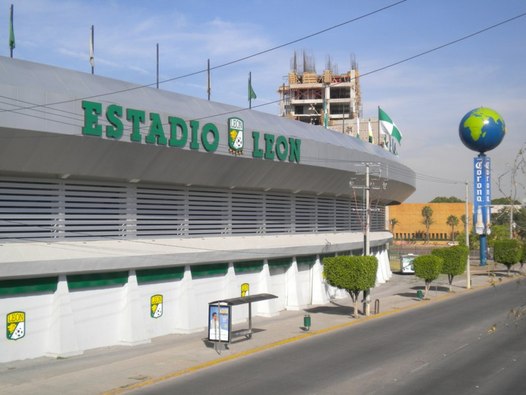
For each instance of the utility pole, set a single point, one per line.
(367, 222)
(157, 63)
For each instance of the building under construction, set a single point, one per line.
(330, 99)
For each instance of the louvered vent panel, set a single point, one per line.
(278, 213)
(208, 212)
(29, 209)
(357, 216)
(247, 213)
(378, 218)
(343, 215)
(94, 210)
(326, 215)
(161, 211)
(58, 209)
(305, 214)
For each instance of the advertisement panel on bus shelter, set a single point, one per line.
(219, 322)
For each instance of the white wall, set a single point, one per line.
(67, 322)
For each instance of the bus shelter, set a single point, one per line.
(220, 317)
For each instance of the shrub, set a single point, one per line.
(352, 273)
(428, 268)
(508, 252)
(454, 258)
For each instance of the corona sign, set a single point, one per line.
(481, 193)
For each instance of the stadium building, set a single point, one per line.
(125, 210)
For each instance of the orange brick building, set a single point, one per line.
(410, 220)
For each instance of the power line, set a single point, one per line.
(374, 71)
(229, 63)
(446, 44)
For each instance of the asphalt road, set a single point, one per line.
(471, 344)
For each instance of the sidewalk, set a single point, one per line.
(120, 368)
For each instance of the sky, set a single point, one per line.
(426, 96)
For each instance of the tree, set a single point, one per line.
(473, 240)
(393, 222)
(352, 273)
(454, 261)
(443, 199)
(504, 201)
(520, 221)
(452, 221)
(428, 268)
(523, 257)
(508, 252)
(518, 167)
(427, 213)
(498, 232)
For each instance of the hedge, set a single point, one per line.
(428, 267)
(508, 252)
(454, 260)
(352, 273)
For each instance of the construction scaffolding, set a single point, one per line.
(330, 99)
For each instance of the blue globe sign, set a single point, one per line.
(482, 129)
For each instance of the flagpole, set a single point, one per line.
(378, 132)
(92, 50)
(157, 65)
(378, 128)
(209, 89)
(11, 32)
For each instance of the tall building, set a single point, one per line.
(329, 99)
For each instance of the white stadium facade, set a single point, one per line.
(125, 210)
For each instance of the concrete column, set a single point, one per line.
(265, 308)
(319, 288)
(62, 340)
(293, 290)
(384, 272)
(184, 306)
(132, 323)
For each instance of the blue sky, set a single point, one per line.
(426, 97)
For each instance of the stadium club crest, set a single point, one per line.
(16, 325)
(156, 306)
(245, 288)
(235, 136)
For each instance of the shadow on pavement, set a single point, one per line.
(334, 308)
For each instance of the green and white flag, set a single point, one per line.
(388, 127)
(251, 93)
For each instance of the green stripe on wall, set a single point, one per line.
(306, 260)
(280, 262)
(247, 267)
(215, 269)
(94, 280)
(327, 255)
(160, 274)
(28, 285)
